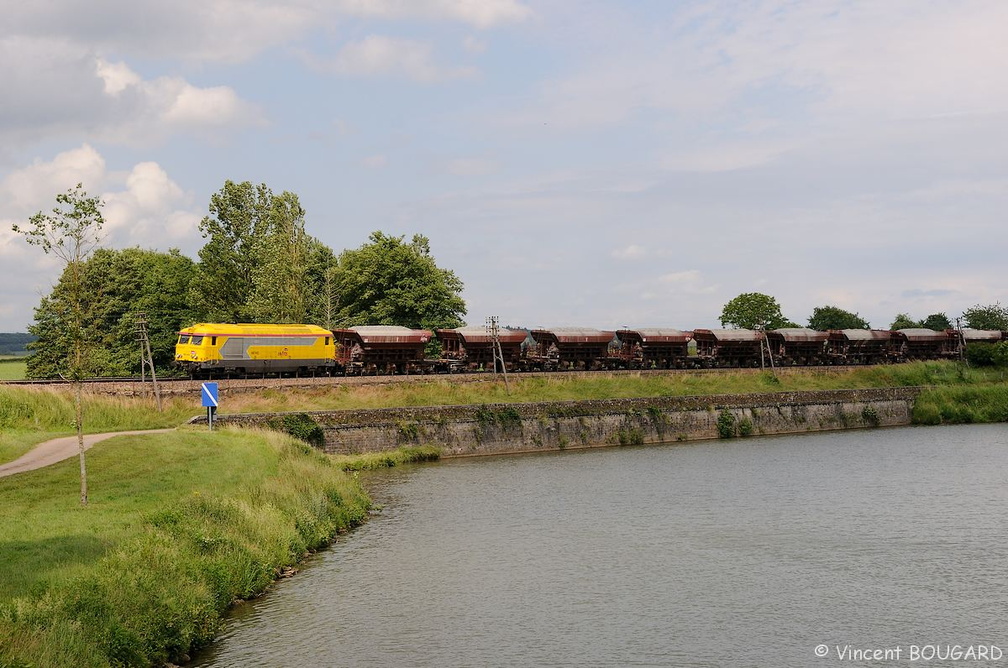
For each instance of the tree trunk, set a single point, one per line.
(79, 420)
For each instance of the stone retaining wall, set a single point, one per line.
(510, 428)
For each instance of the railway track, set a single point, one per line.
(183, 386)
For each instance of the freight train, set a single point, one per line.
(210, 349)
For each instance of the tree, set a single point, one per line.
(240, 216)
(321, 275)
(993, 316)
(825, 318)
(936, 321)
(390, 282)
(279, 282)
(121, 284)
(904, 321)
(71, 232)
(753, 310)
(259, 264)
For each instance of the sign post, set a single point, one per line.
(210, 402)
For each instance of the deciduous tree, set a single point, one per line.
(390, 282)
(753, 310)
(240, 216)
(993, 316)
(71, 232)
(825, 318)
(121, 284)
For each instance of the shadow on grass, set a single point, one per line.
(29, 565)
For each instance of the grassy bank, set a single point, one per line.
(178, 527)
(372, 461)
(30, 416)
(977, 404)
(440, 390)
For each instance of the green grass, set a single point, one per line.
(178, 527)
(370, 461)
(30, 416)
(439, 391)
(962, 405)
(13, 368)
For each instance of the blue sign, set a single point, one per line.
(210, 395)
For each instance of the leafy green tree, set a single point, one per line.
(825, 318)
(71, 232)
(240, 217)
(121, 284)
(259, 264)
(754, 310)
(993, 316)
(937, 322)
(280, 281)
(320, 275)
(904, 321)
(389, 282)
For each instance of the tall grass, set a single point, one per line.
(962, 405)
(370, 461)
(178, 527)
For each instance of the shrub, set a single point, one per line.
(302, 427)
(726, 424)
(745, 427)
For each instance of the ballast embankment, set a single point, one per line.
(512, 428)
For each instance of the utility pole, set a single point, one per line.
(765, 341)
(493, 330)
(146, 357)
(961, 343)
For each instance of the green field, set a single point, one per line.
(13, 368)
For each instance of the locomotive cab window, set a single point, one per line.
(197, 340)
(183, 339)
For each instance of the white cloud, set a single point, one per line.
(151, 211)
(143, 207)
(224, 30)
(631, 252)
(837, 60)
(378, 55)
(480, 13)
(376, 161)
(58, 92)
(34, 188)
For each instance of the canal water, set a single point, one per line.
(813, 550)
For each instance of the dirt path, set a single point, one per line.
(59, 449)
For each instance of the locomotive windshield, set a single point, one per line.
(183, 339)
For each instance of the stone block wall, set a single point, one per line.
(510, 428)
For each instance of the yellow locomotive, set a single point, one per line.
(208, 349)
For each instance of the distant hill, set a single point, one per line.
(14, 343)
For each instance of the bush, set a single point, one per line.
(988, 354)
(726, 424)
(302, 427)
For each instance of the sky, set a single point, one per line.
(576, 163)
